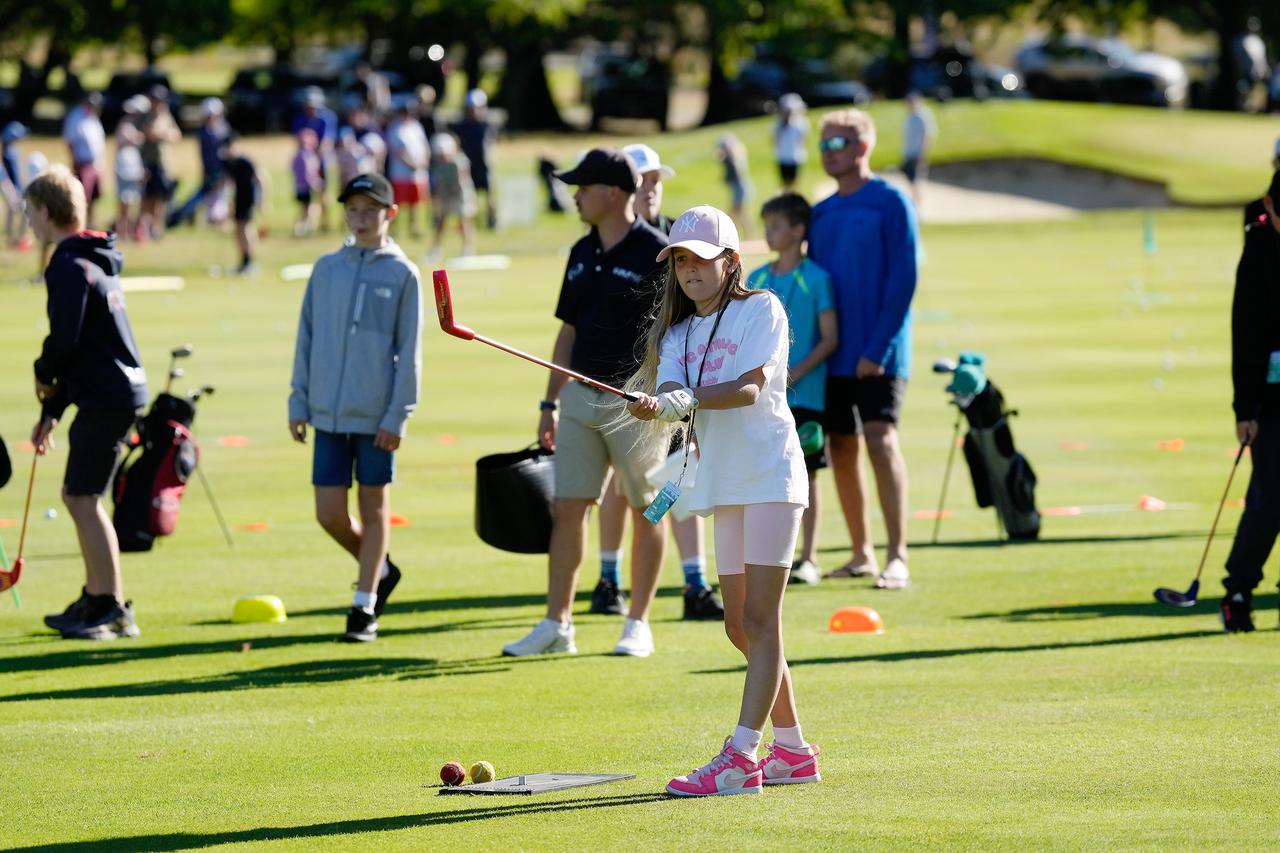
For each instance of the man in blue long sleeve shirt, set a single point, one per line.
(865, 236)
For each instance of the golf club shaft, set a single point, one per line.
(26, 509)
(946, 476)
(204, 483)
(1234, 465)
(572, 374)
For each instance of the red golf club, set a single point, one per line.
(10, 578)
(444, 307)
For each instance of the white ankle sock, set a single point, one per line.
(789, 737)
(747, 741)
(364, 600)
(386, 569)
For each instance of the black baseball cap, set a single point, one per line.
(608, 166)
(373, 185)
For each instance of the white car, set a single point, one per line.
(1080, 67)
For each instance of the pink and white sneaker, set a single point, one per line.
(730, 772)
(782, 766)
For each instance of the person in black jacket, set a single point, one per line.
(1255, 374)
(90, 360)
(1254, 210)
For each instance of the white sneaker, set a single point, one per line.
(894, 576)
(547, 637)
(806, 572)
(637, 640)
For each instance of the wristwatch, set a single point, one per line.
(546, 406)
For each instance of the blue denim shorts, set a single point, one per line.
(336, 453)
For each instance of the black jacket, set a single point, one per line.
(90, 355)
(1255, 324)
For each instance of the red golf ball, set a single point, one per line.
(453, 773)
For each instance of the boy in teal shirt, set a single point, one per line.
(805, 291)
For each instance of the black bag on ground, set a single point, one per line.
(148, 489)
(513, 500)
(6, 466)
(1001, 475)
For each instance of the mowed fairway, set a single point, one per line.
(1023, 697)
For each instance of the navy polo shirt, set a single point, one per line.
(607, 297)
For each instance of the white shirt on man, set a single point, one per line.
(408, 151)
(84, 134)
(919, 131)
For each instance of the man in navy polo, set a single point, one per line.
(609, 287)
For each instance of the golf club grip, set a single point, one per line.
(572, 374)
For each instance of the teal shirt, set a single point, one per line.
(805, 292)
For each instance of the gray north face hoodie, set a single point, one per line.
(359, 351)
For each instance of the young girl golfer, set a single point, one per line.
(717, 354)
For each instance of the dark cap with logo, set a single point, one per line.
(374, 186)
(608, 166)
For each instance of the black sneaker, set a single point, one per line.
(362, 626)
(70, 617)
(386, 585)
(607, 598)
(1236, 613)
(702, 605)
(104, 620)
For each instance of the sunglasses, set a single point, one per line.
(837, 143)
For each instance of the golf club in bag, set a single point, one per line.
(148, 488)
(1001, 475)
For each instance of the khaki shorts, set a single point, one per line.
(585, 448)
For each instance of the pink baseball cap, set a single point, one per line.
(704, 230)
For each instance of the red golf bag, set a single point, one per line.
(152, 478)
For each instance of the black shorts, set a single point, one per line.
(851, 402)
(817, 460)
(303, 196)
(94, 443)
(911, 168)
(244, 208)
(159, 186)
(788, 172)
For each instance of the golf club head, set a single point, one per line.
(9, 578)
(177, 373)
(444, 307)
(944, 365)
(181, 352)
(1173, 598)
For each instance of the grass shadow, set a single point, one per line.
(1108, 609)
(1043, 540)
(191, 841)
(966, 651)
(487, 602)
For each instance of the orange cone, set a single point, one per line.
(856, 620)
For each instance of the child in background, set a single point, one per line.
(717, 354)
(733, 155)
(130, 173)
(452, 192)
(355, 380)
(308, 182)
(249, 189)
(804, 289)
(353, 158)
(15, 181)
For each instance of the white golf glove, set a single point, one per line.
(675, 405)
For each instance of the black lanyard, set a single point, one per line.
(693, 417)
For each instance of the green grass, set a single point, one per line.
(1023, 697)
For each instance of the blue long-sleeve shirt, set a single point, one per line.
(868, 242)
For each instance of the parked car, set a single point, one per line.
(761, 81)
(1080, 67)
(264, 98)
(123, 86)
(620, 85)
(949, 72)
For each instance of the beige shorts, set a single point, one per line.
(586, 448)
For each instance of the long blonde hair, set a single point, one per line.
(672, 307)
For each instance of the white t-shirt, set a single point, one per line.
(789, 138)
(919, 130)
(406, 141)
(751, 454)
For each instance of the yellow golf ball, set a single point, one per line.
(482, 771)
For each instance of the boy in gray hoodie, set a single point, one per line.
(355, 380)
